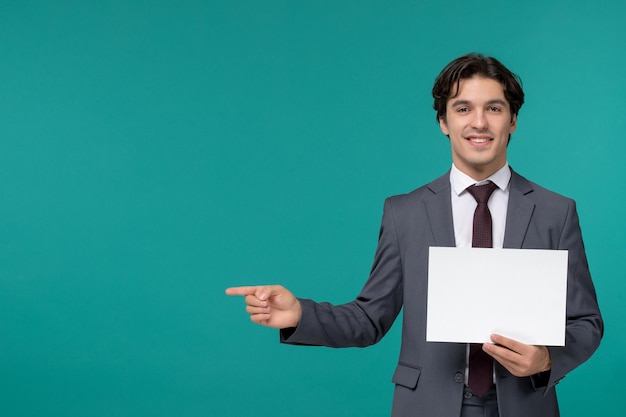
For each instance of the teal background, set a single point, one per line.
(154, 153)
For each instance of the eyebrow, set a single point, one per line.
(466, 102)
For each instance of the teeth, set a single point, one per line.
(479, 140)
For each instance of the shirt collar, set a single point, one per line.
(460, 181)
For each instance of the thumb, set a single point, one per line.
(264, 292)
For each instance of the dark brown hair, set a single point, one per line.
(468, 66)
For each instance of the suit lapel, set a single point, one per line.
(519, 211)
(439, 211)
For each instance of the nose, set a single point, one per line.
(479, 121)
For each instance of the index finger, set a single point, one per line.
(245, 290)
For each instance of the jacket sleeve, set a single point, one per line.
(367, 319)
(584, 325)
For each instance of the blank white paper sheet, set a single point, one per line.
(517, 293)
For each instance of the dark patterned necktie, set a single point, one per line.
(480, 363)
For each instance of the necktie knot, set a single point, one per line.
(482, 193)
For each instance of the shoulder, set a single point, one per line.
(419, 195)
(536, 193)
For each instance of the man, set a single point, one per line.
(477, 101)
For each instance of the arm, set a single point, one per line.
(584, 326)
(365, 320)
(361, 322)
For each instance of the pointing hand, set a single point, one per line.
(270, 305)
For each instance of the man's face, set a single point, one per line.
(478, 122)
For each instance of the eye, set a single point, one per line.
(495, 109)
(462, 110)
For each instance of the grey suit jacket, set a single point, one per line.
(429, 376)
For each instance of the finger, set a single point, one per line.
(257, 310)
(511, 344)
(260, 318)
(500, 353)
(263, 292)
(253, 300)
(245, 290)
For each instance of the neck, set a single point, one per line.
(479, 173)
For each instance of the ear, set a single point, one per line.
(513, 124)
(444, 126)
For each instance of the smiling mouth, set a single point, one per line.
(479, 140)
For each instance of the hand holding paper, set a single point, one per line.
(518, 358)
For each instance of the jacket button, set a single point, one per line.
(458, 377)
